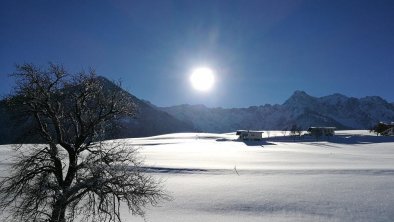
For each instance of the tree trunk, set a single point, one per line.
(59, 212)
(72, 169)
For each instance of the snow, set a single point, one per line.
(213, 177)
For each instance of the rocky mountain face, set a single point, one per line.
(148, 121)
(302, 109)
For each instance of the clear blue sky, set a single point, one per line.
(261, 51)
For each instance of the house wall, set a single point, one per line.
(322, 132)
(251, 135)
(255, 135)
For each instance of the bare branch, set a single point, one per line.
(75, 172)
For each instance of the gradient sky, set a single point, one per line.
(262, 51)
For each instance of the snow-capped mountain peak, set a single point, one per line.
(302, 109)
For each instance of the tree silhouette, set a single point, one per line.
(295, 130)
(74, 172)
(380, 128)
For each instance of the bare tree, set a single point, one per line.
(284, 131)
(74, 173)
(295, 130)
(380, 128)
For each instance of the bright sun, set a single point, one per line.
(202, 79)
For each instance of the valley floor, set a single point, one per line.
(213, 177)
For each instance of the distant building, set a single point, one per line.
(321, 131)
(250, 135)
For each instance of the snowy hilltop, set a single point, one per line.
(216, 178)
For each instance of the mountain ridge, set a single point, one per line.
(300, 108)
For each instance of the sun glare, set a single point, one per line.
(202, 79)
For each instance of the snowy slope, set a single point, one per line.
(347, 179)
(214, 178)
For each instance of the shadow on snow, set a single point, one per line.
(339, 139)
(173, 170)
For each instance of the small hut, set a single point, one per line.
(321, 131)
(250, 135)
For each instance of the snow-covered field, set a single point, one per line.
(211, 177)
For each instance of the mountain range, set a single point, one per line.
(301, 109)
